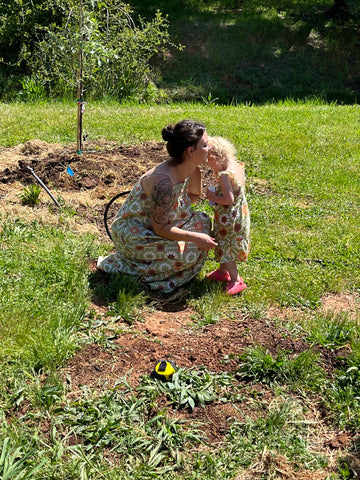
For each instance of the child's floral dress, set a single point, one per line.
(232, 227)
(160, 263)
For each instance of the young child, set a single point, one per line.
(231, 214)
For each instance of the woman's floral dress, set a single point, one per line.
(160, 263)
(232, 227)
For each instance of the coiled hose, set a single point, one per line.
(108, 207)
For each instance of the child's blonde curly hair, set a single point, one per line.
(223, 150)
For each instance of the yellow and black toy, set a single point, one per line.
(164, 370)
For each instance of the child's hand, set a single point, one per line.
(211, 195)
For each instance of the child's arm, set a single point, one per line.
(227, 194)
(240, 173)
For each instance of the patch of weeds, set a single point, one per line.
(104, 339)
(40, 391)
(344, 468)
(256, 310)
(342, 395)
(108, 289)
(125, 422)
(192, 387)
(332, 331)
(283, 430)
(31, 195)
(209, 301)
(100, 331)
(66, 209)
(44, 391)
(259, 366)
(33, 89)
(127, 306)
(209, 307)
(50, 348)
(14, 463)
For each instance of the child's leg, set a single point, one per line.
(236, 284)
(223, 268)
(230, 267)
(220, 275)
(227, 272)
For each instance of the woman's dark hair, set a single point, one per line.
(184, 134)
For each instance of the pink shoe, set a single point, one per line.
(218, 276)
(233, 288)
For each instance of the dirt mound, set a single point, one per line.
(97, 167)
(167, 336)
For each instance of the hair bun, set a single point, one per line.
(167, 133)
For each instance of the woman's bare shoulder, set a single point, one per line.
(154, 178)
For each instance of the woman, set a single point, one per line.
(157, 235)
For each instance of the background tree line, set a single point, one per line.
(123, 48)
(41, 42)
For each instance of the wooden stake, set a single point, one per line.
(80, 99)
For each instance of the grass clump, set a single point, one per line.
(342, 394)
(130, 299)
(31, 195)
(333, 331)
(259, 365)
(13, 464)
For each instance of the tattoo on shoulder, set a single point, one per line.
(162, 196)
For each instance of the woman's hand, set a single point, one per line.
(204, 241)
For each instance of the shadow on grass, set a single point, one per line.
(256, 51)
(105, 290)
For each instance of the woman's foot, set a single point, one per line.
(219, 276)
(232, 288)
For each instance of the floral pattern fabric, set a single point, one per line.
(160, 263)
(232, 227)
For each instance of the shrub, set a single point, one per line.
(98, 44)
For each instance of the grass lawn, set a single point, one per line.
(303, 177)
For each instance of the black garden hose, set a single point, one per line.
(108, 207)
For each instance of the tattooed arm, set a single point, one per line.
(161, 195)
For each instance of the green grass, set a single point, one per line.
(258, 365)
(274, 50)
(302, 181)
(302, 186)
(44, 293)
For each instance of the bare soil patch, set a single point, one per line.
(103, 170)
